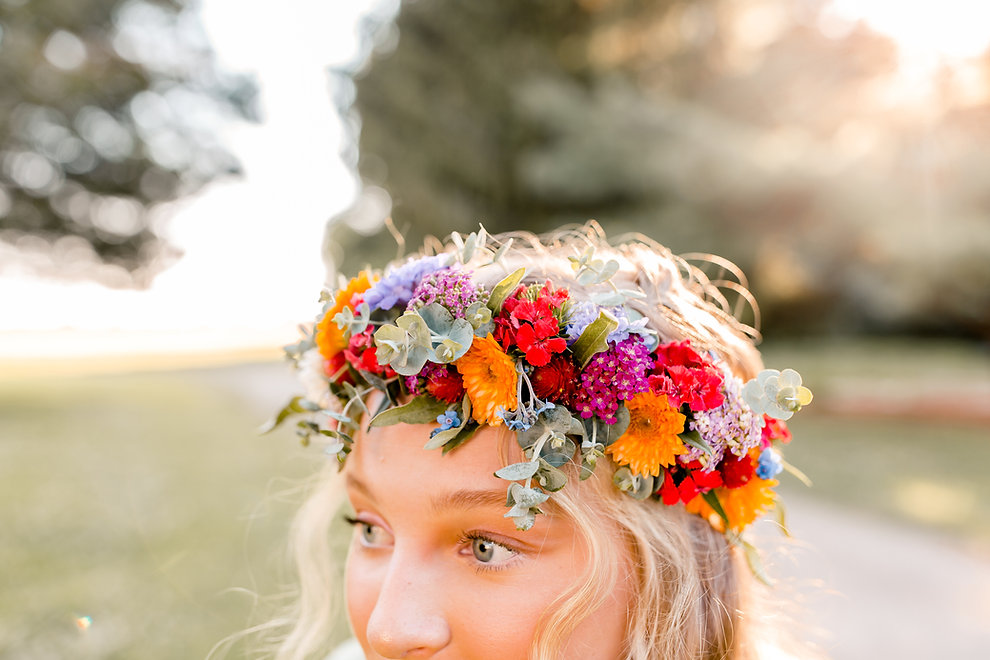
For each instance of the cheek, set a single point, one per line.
(362, 587)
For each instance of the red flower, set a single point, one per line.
(686, 377)
(668, 490)
(682, 483)
(699, 387)
(679, 352)
(537, 348)
(774, 429)
(361, 353)
(446, 385)
(737, 470)
(530, 324)
(555, 381)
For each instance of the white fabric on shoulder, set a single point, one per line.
(349, 650)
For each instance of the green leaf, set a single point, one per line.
(756, 563)
(713, 502)
(518, 471)
(801, 476)
(421, 410)
(291, 408)
(557, 456)
(443, 437)
(550, 477)
(597, 430)
(594, 339)
(501, 251)
(694, 439)
(465, 434)
(781, 515)
(504, 289)
(343, 419)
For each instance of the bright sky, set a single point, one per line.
(252, 267)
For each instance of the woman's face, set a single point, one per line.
(435, 570)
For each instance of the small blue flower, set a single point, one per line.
(770, 464)
(448, 420)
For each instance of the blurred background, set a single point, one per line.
(178, 179)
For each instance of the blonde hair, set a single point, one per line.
(689, 593)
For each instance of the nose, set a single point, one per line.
(409, 619)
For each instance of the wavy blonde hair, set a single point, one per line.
(691, 600)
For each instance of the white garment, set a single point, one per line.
(349, 650)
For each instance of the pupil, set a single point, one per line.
(483, 550)
(369, 533)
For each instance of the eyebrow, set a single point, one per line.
(467, 499)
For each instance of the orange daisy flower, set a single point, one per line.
(489, 378)
(651, 440)
(742, 505)
(329, 338)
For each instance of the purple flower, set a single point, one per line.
(398, 284)
(582, 314)
(615, 375)
(732, 426)
(451, 288)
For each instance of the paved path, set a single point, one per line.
(877, 589)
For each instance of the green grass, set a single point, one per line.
(144, 502)
(928, 469)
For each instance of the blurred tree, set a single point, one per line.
(757, 130)
(109, 108)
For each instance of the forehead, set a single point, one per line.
(393, 456)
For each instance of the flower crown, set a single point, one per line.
(573, 379)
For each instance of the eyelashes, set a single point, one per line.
(484, 553)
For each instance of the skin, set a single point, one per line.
(435, 570)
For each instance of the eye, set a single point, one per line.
(487, 551)
(371, 535)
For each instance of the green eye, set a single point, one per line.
(489, 552)
(483, 550)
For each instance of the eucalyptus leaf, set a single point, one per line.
(518, 471)
(558, 455)
(422, 409)
(375, 381)
(781, 514)
(601, 432)
(644, 488)
(504, 289)
(756, 563)
(556, 420)
(465, 434)
(340, 417)
(355, 397)
(608, 298)
(437, 317)
(716, 506)
(333, 449)
(594, 339)
(550, 477)
(291, 408)
(527, 497)
(694, 439)
(442, 438)
(501, 251)
(801, 476)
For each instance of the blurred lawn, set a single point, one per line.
(928, 464)
(145, 502)
(148, 503)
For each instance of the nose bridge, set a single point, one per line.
(409, 619)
